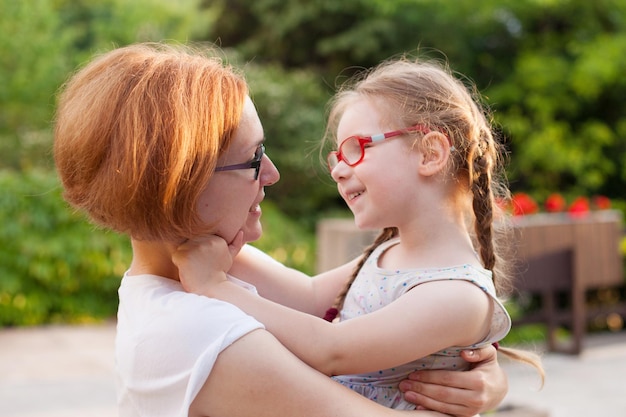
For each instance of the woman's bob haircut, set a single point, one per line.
(138, 132)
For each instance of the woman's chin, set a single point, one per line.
(250, 234)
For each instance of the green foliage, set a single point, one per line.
(43, 41)
(528, 334)
(562, 103)
(332, 36)
(32, 63)
(55, 267)
(102, 24)
(286, 240)
(294, 33)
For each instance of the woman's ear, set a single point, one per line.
(435, 148)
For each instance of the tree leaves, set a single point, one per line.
(55, 266)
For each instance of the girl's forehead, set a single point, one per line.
(361, 117)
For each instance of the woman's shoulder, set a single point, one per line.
(168, 340)
(157, 307)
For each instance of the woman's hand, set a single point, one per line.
(460, 393)
(203, 263)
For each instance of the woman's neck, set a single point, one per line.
(154, 258)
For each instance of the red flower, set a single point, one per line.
(523, 204)
(601, 202)
(503, 204)
(579, 207)
(554, 203)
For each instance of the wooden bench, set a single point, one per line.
(549, 276)
(557, 254)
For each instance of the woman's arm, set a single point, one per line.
(287, 286)
(257, 377)
(478, 390)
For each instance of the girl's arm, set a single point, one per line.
(428, 318)
(287, 286)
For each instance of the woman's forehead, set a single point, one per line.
(250, 131)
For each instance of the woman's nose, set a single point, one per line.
(269, 173)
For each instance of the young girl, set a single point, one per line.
(415, 157)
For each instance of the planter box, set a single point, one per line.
(558, 253)
(340, 241)
(553, 253)
(594, 239)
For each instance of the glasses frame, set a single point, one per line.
(253, 164)
(363, 140)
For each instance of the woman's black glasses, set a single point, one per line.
(255, 163)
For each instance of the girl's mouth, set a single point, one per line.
(352, 196)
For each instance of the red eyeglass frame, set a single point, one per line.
(363, 140)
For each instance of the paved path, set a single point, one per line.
(57, 371)
(63, 371)
(592, 384)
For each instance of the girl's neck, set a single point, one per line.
(443, 244)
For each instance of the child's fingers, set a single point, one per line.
(486, 353)
(237, 243)
(209, 247)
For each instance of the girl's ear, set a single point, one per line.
(435, 149)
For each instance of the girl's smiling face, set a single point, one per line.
(381, 189)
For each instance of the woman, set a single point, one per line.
(164, 144)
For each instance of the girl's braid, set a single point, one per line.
(481, 164)
(385, 235)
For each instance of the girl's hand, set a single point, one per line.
(203, 263)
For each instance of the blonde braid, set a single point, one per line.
(385, 235)
(481, 166)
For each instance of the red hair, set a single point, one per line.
(138, 133)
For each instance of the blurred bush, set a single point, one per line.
(286, 240)
(54, 266)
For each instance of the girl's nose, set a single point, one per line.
(340, 171)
